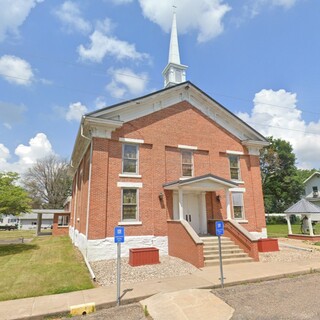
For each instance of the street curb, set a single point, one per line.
(106, 305)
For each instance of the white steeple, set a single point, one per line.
(174, 72)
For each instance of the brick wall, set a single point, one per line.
(181, 245)
(160, 162)
(59, 230)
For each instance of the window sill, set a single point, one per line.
(130, 223)
(127, 175)
(241, 220)
(185, 178)
(63, 226)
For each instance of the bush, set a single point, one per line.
(276, 220)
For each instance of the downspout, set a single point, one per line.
(89, 185)
(93, 277)
(89, 191)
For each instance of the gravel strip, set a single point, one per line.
(106, 270)
(288, 255)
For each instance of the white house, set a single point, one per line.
(312, 188)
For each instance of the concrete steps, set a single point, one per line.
(231, 253)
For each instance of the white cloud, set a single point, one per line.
(70, 15)
(124, 81)
(100, 102)
(16, 70)
(13, 14)
(203, 16)
(76, 111)
(103, 43)
(118, 2)
(257, 6)
(4, 155)
(38, 147)
(275, 113)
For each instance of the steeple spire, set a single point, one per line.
(174, 55)
(174, 72)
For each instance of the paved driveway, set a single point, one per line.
(291, 298)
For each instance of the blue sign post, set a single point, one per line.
(119, 234)
(219, 228)
(219, 233)
(118, 239)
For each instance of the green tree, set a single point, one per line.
(304, 174)
(281, 183)
(48, 182)
(13, 198)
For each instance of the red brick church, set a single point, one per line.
(166, 166)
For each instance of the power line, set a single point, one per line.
(250, 122)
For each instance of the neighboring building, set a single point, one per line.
(312, 188)
(166, 166)
(28, 221)
(8, 220)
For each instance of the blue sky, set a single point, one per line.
(60, 59)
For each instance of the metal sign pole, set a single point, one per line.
(118, 272)
(220, 258)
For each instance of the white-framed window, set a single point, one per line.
(12, 220)
(237, 204)
(315, 191)
(130, 158)
(234, 162)
(187, 163)
(63, 221)
(130, 208)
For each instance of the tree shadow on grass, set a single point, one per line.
(10, 249)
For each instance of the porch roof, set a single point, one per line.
(208, 182)
(303, 206)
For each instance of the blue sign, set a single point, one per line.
(219, 228)
(118, 234)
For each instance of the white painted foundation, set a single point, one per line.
(106, 249)
(260, 235)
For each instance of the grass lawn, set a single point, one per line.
(14, 234)
(46, 265)
(281, 230)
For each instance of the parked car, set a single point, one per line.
(9, 227)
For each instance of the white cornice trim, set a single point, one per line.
(129, 140)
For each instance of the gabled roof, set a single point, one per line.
(185, 91)
(313, 175)
(208, 182)
(303, 206)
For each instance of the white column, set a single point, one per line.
(180, 204)
(289, 225)
(228, 204)
(310, 226)
(204, 226)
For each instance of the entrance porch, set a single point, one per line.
(190, 200)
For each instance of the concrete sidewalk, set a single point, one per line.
(206, 278)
